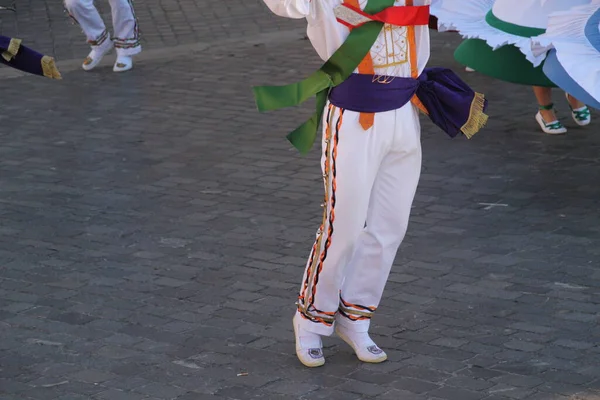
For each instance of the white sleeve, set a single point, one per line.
(289, 8)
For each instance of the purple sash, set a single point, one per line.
(26, 59)
(447, 98)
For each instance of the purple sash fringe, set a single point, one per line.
(26, 60)
(446, 97)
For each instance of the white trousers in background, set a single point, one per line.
(370, 177)
(126, 36)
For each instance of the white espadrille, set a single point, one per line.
(364, 347)
(551, 128)
(96, 55)
(582, 115)
(123, 63)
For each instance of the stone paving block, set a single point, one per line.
(566, 377)
(494, 397)
(468, 383)
(449, 392)
(92, 376)
(364, 389)
(518, 380)
(479, 372)
(373, 377)
(523, 346)
(533, 337)
(424, 374)
(544, 396)
(510, 391)
(414, 385)
(449, 342)
(332, 394)
(200, 396)
(73, 396)
(396, 394)
(522, 368)
(161, 391)
(558, 387)
(560, 352)
(119, 395)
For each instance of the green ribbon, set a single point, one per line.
(335, 71)
(513, 29)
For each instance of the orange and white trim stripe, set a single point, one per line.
(318, 256)
(355, 312)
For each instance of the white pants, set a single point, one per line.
(371, 177)
(126, 34)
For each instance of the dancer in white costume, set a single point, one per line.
(371, 164)
(387, 158)
(505, 26)
(126, 37)
(574, 60)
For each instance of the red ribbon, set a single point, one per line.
(398, 16)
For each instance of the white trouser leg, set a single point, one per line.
(387, 220)
(125, 25)
(351, 158)
(86, 15)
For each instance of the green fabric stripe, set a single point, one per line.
(513, 29)
(336, 70)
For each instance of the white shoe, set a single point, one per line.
(123, 63)
(96, 55)
(309, 347)
(365, 348)
(551, 128)
(582, 115)
(469, 69)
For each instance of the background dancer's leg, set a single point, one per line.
(126, 38)
(546, 116)
(86, 15)
(579, 111)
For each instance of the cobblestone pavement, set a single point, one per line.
(163, 23)
(154, 229)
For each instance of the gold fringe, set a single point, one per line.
(13, 49)
(477, 118)
(49, 68)
(355, 312)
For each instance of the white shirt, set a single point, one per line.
(390, 52)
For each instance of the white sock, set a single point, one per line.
(309, 347)
(361, 339)
(123, 63)
(309, 340)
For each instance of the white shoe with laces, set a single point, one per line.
(309, 347)
(551, 128)
(582, 115)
